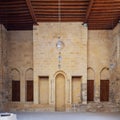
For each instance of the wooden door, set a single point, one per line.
(44, 90)
(90, 90)
(76, 90)
(15, 90)
(29, 90)
(60, 93)
(104, 90)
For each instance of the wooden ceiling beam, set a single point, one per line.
(62, 14)
(16, 18)
(99, 28)
(75, 3)
(14, 12)
(62, 10)
(104, 18)
(55, 19)
(105, 15)
(56, 7)
(23, 24)
(29, 5)
(57, 1)
(9, 10)
(108, 13)
(18, 2)
(12, 6)
(88, 11)
(21, 14)
(105, 12)
(16, 22)
(105, 1)
(106, 8)
(15, 15)
(106, 5)
(101, 25)
(100, 21)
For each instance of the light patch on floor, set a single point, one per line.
(66, 116)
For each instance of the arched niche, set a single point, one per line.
(104, 74)
(29, 84)
(60, 92)
(60, 72)
(90, 74)
(29, 74)
(15, 74)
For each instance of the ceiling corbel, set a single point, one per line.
(88, 11)
(29, 5)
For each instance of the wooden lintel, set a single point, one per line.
(29, 5)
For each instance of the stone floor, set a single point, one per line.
(66, 116)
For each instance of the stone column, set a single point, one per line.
(97, 87)
(84, 37)
(36, 93)
(51, 91)
(22, 87)
(84, 91)
(68, 91)
(35, 64)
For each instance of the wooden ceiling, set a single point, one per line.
(22, 14)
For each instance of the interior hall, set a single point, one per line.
(60, 56)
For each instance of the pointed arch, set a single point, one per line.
(60, 72)
(90, 73)
(60, 82)
(104, 74)
(104, 84)
(60, 92)
(29, 84)
(29, 74)
(90, 84)
(15, 77)
(15, 74)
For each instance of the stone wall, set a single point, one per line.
(33, 54)
(74, 57)
(115, 66)
(99, 44)
(20, 59)
(3, 67)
